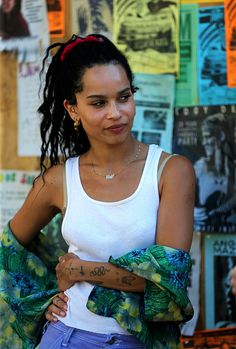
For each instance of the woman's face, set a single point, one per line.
(8, 5)
(209, 143)
(106, 106)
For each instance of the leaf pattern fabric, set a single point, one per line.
(27, 285)
(152, 317)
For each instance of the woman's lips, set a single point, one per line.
(116, 128)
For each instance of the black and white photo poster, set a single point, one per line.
(207, 136)
(220, 257)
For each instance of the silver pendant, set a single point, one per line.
(110, 176)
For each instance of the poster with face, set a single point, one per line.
(13, 23)
(220, 257)
(206, 135)
(24, 28)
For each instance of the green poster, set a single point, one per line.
(186, 84)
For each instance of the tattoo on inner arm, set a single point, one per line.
(128, 280)
(98, 283)
(99, 271)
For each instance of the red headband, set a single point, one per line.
(70, 46)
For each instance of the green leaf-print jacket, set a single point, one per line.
(28, 283)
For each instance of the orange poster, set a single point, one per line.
(222, 338)
(230, 32)
(56, 18)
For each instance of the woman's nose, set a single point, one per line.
(113, 112)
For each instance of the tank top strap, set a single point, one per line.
(162, 165)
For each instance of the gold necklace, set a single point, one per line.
(111, 175)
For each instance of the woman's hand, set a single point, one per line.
(57, 307)
(63, 271)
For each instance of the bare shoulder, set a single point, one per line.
(177, 170)
(44, 201)
(51, 183)
(53, 176)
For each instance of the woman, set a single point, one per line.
(112, 207)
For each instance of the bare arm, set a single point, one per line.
(175, 215)
(72, 269)
(43, 202)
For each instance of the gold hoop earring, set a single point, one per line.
(76, 125)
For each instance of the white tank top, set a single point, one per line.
(95, 230)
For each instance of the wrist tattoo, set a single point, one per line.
(99, 271)
(81, 272)
(75, 269)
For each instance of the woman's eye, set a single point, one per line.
(125, 97)
(98, 103)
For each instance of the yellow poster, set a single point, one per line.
(147, 32)
(230, 32)
(56, 18)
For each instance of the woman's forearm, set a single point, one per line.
(104, 274)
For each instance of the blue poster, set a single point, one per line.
(213, 89)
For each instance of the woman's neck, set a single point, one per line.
(113, 155)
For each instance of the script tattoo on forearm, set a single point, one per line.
(99, 271)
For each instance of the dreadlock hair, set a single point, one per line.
(63, 79)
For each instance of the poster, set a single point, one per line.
(186, 83)
(56, 18)
(29, 139)
(222, 338)
(31, 40)
(154, 101)
(230, 28)
(213, 89)
(220, 257)
(206, 135)
(194, 285)
(14, 187)
(147, 32)
(92, 16)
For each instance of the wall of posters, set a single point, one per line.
(206, 135)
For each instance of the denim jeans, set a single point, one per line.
(60, 336)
